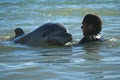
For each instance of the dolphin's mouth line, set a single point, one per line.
(54, 41)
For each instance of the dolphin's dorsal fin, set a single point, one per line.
(18, 32)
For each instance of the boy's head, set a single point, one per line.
(91, 25)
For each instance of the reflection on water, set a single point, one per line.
(88, 51)
(92, 51)
(92, 56)
(94, 61)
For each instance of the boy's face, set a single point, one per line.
(86, 29)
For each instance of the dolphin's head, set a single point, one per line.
(57, 37)
(50, 34)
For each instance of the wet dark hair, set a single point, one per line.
(95, 20)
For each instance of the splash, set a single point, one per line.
(5, 37)
(113, 39)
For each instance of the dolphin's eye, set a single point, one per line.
(45, 34)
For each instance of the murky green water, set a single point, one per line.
(94, 61)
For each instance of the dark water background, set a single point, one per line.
(85, 62)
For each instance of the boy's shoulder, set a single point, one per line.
(91, 38)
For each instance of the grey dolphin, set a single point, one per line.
(53, 34)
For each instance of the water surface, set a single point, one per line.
(94, 61)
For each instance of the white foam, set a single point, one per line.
(113, 39)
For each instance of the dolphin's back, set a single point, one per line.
(52, 27)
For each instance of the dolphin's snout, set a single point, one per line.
(68, 36)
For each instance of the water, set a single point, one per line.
(94, 61)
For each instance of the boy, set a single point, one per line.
(91, 27)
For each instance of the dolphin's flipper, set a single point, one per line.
(18, 32)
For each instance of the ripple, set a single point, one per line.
(91, 61)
